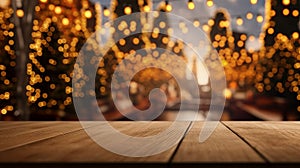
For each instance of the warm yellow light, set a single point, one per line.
(44, 1)
(259, 19)
(249, 16)
(106, 12)
(168, 7)
(253, 2)
(122, 42)
(295, 35)
(20, 13)
(191, 5)
(224, 24)
(3, 111)
(88, 14)
(205, 28)
(209, 3)
(58, 10)
(51, 7)
(285, 12)
(270, 30)
(239, 21)
(196, 23)
(65, 21)
(127, 10)
(146, 8)
(227, 93)
(210, 22)
(136, 41)
(285, 2)
(295, 13)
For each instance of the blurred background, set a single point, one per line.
(257, 42)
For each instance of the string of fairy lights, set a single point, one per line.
(60, 28)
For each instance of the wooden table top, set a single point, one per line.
(233, 144)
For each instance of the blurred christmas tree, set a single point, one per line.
(7, 66)
(280, 75)
(58, 36)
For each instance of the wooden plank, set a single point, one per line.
(277, 141)
(24, 133)
(223, 146)
(78, 147)
(11, 124)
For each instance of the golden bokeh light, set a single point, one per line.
(20, 13)
(209, 3)
(168, 7)
(295, 13)
(253, 2)
(259, 19)
(239, 21)
(191, 5)
(286, 2)
(146, 8)
(65, 21)
(58, 10)
(127, 10)
(286, 11)
(249, 16)
(88, 14)
(106, 12)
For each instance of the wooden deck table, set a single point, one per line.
(233, 144)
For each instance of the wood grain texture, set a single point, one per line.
(223, 146)
(17, 134)
(64, 144)
(6, 125)
(276, 141)
(77, 147)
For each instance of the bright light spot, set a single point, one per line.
(259, 18)
(285, 12)
(88, 14)
(127, 10)
(146, 8)
(295, 13)
(168, 7)
(239, 21)
(3, 111)
(65, 21)
(253, 2)
(196, 23)
(249, 16)
(285, 2)
(20, 13)
(295, 35)
(209, 3)
(191, 5)
(106, 12)
(227, 93)
(58, 10)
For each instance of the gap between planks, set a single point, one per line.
(248, 143)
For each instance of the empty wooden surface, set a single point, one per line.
(36, 144)
(222, 146)
(276, 141)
